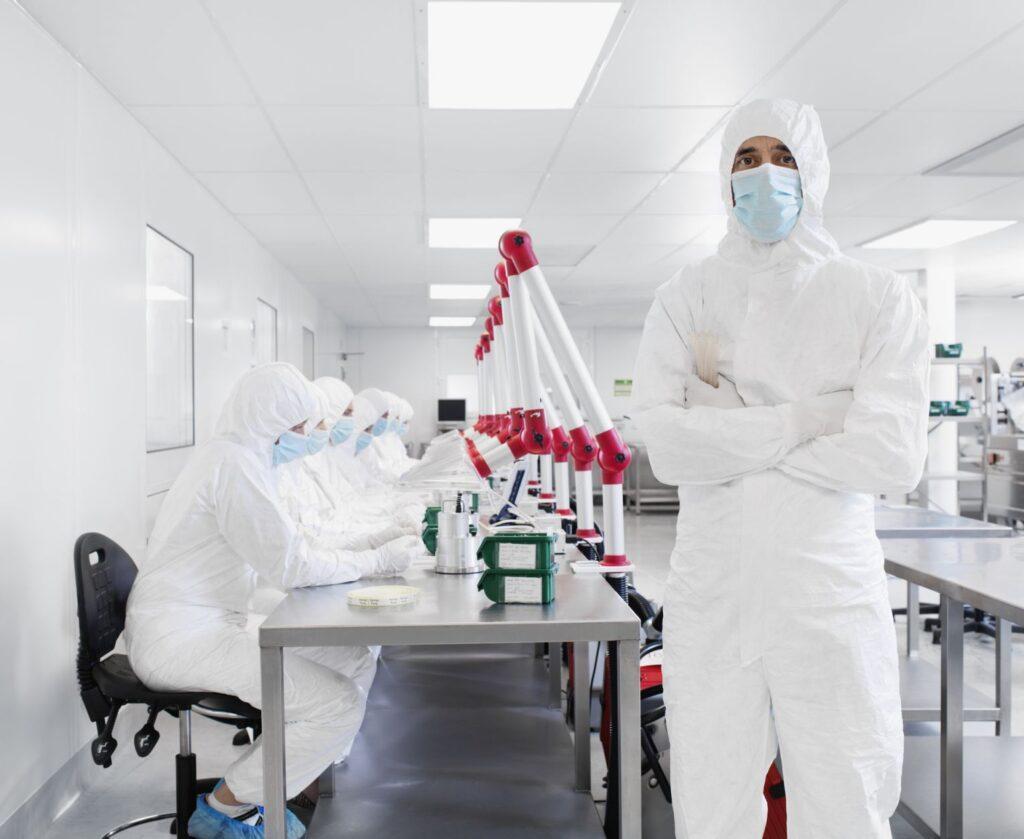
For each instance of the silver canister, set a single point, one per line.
(456, 548)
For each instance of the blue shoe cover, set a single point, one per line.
(207, 823)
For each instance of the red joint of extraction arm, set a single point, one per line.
(483, 348)
(504, 427)
(613, 456)
(536, 434)
(583, 448)
(494, 308)
(501, 278)
(560, 444)
(517, 423)
(517, 247)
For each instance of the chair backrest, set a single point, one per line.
(104, 574)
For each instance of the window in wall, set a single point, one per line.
(308, 353)
(265, 332)
(170, 378)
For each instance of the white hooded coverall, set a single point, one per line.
(222, 523)
(778, 631)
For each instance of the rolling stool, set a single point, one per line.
(104, 574)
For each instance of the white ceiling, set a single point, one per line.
(307, 120)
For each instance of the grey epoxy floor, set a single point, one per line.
(135, 787)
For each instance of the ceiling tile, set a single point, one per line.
(604, 139)
(378, 231)
(161, 52)
(350, 139)
(323, 52)
(849, 230)
(845, 191)
(688, 193)
(211, 138)
(873, 53)
(1005, 203)
(839, 125)
(497, 194)
(492, 141)
(366, 193)
(907, 143)
(259, 192)
(568, 230)
(924, 195)
(585, 193)
(622, 260)
(374, 266)
(702, 52)
(659, 230)
(980, 83)
(706, 157)
(298, 231)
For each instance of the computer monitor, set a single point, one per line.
(451, 410)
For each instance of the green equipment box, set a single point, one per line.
(518, 586)
(519, 551)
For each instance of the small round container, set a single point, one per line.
(375, 597)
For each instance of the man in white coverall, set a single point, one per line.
(222, 523)
(778, 629)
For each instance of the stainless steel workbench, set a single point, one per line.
(451, 611)
(905, 522)
(989, 574)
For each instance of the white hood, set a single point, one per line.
(799, 128)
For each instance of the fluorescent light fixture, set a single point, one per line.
(442, 291)
(508, 55)
(1018, 296)
(935, 233)
(164, 294)
(437, 320)
(468, 232)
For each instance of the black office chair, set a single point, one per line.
(104, 574)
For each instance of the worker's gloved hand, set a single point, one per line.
(699, 392)
(410, 518)
(385, 534)
(820, 415)
(395, 556)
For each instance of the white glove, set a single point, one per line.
(821, 415)
(699, 392)
(394, 557)
(386, 534)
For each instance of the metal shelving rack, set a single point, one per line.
(985, 417)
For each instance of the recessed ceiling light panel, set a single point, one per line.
(935, 233)
(509, 55)
(440, 321)
(443, 291)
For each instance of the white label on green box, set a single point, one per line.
(517, 555)
(524, 590)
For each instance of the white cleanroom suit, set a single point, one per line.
(777, 621)
(222, 523)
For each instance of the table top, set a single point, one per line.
(903, 522)
(986, 573)
(449, 610)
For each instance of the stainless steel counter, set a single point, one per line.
(904, 522)
(450, 611)
(989, 574)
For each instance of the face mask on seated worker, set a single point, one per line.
(379, 427)
(290, 446)
(768, 201)
(363, 441)
(342, 430)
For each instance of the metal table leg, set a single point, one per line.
(913, 618)
(951, 794)
(272, 739)
(581, 712)
(1004, 676)
(628, 729)
(555, 675)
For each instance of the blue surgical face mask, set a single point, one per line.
(394, 425)
(342, 430)
(768, 201)
(316, 440)
(290, 446)
(362, 441)
(379, 427)
(403, 429)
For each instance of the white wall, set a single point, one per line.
(79, 180)
(414, 363)
(996, 323)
